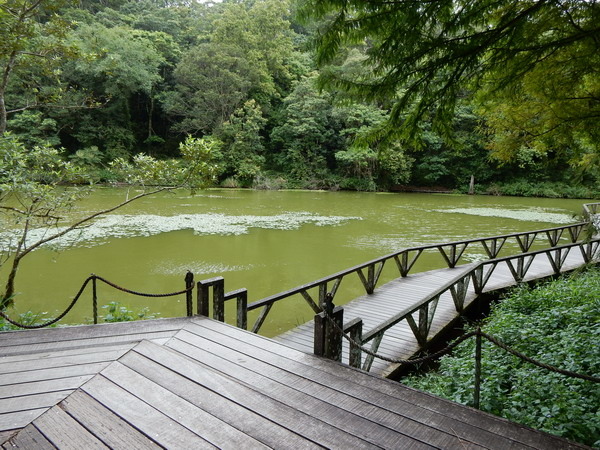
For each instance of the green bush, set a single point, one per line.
(556, 323)
(115, 312)
(27, 318)
(525, 188)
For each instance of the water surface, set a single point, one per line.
(266, 241)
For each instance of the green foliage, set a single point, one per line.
(115, 312)
(130, 77)
(31, 52)
(556, 323)
(28, 318)
(306, 132)
(212, 82)
(118, 61)
(243, 148)
(195, 169)
(34, 129)
(525, 188)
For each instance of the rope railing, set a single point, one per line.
(327, 312)
(189, 283)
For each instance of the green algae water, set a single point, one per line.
(265, 241)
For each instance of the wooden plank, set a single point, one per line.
(35, 401)
(155, 425)
(399, 341)
(428, 407)
(104, 424)
(221, 407)
(355, 416)
(307, 426)
(64, 432)
(83, 332)
(368, 404)
(6, 435)
(38, 387)
(11, 364)
(212, 429)
(29, 438)
(84, 343)
(19, 419)
(54, 373)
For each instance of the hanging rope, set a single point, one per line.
(454, 344)
(78, 295)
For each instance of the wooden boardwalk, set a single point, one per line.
(401, 294)
(198, 383)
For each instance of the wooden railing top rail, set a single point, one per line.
(459, 278)
(299, 289)
(591, 208)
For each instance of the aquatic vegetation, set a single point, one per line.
(124, 226)
(529, 215)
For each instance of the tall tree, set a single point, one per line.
(31, 41)
(243, 149)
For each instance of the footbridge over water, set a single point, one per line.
(402, 317)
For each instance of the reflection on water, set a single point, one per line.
(266, 241)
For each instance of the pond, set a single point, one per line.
(265, 241)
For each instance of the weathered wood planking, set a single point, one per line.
(393, 297)
(39, 368)
(82, 336)
(216, 386)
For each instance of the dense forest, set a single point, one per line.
(103, 81)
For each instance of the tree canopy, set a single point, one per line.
(425, 57)
(424, 93)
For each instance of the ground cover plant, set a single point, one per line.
(557, 323)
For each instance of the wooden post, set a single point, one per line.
(327, 337)
(94, 299)
(472, 185)
(477, 387)
(219, 300)
(189, 284)
(242, 310)
(354, 328)
(202, 299)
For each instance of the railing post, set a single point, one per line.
(242, 310)
(477, 386)
(94, 299)
(219, 300)
(189, 285)
(202, 299)
(327, 339)
(354, 328)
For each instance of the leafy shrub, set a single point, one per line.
(525, 188)
(115, 312)
(269, 183)
(27, 318)
(557, 323)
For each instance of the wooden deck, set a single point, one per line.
(198, 383)
(391, 298)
